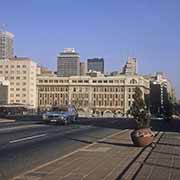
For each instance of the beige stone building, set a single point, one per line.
(102, 96)
(21, 74)
(4, 91)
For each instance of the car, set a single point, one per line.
(61, 115)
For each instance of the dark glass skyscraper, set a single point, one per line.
(96, 64)
(68, 63)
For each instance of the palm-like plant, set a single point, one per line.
(139, 110)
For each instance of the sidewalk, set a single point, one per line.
(110, 158)
(163, 162)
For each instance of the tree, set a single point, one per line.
(139, 110)
(168, 110)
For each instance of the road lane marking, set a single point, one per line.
(27, 138)
(22, 176)
(21, 127)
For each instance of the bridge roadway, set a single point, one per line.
(27, 144)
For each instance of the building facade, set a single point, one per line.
(4, 91)
(161, 91)
(21, 74)
(91, 95)
(6, 45)
(83, 68)
(130, 67)
(95, 64)
(68, 63)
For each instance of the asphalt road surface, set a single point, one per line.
(26, 145)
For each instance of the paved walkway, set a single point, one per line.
(115, 157)
(106, 159)
(163, 163)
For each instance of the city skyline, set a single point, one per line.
(146, 30)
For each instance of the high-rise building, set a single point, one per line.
(68, 63)
(161, 91)
(6, 45)
(83, 68)
(96, 64)
(21, 74)
(130, 67)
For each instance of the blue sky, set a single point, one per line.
(112, 29)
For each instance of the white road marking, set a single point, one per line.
(20, 127)
(27, 138)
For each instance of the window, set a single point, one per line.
(110, 81)
(17, 89)
(18, 66)
(24, 66)
(133, 81)
(86, 81)
(18, 77)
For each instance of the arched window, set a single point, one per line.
(133, 81)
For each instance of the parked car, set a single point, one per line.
(61, 115)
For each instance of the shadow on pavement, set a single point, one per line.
(117, 144)
(114, 123)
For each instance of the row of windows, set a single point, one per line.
(17, 95)
(109, 96)
(13, 66)
(13, 72)
(55, 81)
(18, 89)
(51, 89)
(18, 101)
(81, 81)
(108, 89)
(108, 103)
(53, 95)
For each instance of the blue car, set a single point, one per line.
(61, 115)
